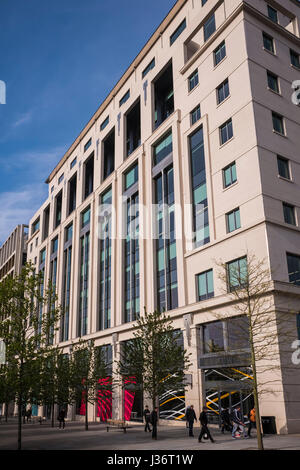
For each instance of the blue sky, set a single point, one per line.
(59, 60)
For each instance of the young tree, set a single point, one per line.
(154, 356)
(7, 385)
(88, 366)
(25, 330)
(248, 282)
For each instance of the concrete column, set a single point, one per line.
(193, 391)
(117, 394)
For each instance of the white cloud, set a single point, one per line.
(24, 119)
(17, 207)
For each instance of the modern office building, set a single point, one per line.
(13, 252)
(202, 120)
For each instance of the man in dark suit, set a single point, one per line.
(147, 418)
(190, 417)
(153, 421)
(204, 425)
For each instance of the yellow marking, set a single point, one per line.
(179, 417)
(170, 399)
(243, 373)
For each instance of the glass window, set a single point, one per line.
(209, 27)
(295, 60)
(272, 14)
(273, 82)
(131, 176)
(125, 98)
(229, 175)
(35, 226)
(163, 148)
(278, 123)
(193, 80)
(43, 256)
(237, 273)
(213, 337)
(268, 43)
(88, 144)
(293, 262)
(69, 233)
(289, 213)
(54, 245)
(226, 132)
(148, 68)
(219, 53)
(85, 217)
(60, 179)
(195, 115)
(283, 167)
(177, 32)
(205, 285)
(222, 91)
(73, 163)
(104, 123)
(238, 333)
(233, 220)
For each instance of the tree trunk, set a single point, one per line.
(52, 414)
(6, 411)
(86, 412)
(20, 409)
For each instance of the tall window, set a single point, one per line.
(295, 59)
(268, 43)
(219, 53)
(58, 209)
(193, 80)
(131, 247)
(166, 263)
(272, 14)
(88, 176)
(229, 175)
(42, 274)
(289, 213)
(195, 114)
(72, 194)
(198, 175)
(84, 272)
(52, 278)
(109, 154)
(209, 27)
(293, 262)
(226, 132)
(35, 226)
(205, 285)
(46, 219)
(177, 32)
(278, 125)
(233, 220)
(67, 265)
(104, 319)
(237, 273)
(162, 149)
(283, 167)
(222, 91)
(273, 83)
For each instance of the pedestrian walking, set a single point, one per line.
(226, 422)
(236, 417)
(61, 418)
(252, 420)
(190, 417)
(204, 425)
(153, 421)
(147, 418)
(186, 411)
(28, 414)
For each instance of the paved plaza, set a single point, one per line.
(74, 437)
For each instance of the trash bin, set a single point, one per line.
(268, 424)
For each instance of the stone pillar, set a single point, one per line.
(117, 392)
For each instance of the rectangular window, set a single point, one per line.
(35, 226)
(199, 189)
(293, 262)
(289, 214)
(237, 273)
(104, 123)
(46, 220)
(219, 53)
(295, 59)
(68, 233)
(148, 68)
(131, 177)
(233, 220)
(278, 125)
(109, 154)
(226, 132)
(54, 245)
(272, 14)
(58, 209)
(73, 163)
(273, 82)
(238, 333)
(213, 337)
(66, 291)
(195, 114)
(86, 217)
(163, 96)
(60, 179)
(177, 32)
(268, 43)
(88, 176)
(87, 145)
(124, 98)
(72, 194)
(209, 27)
(229, 175)
(205, 285)
(283, 167)
(43, 256)
(133, 128)
(104, 315)
(222, 91)
(193, 80)
(162, 149)
(84, 284)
